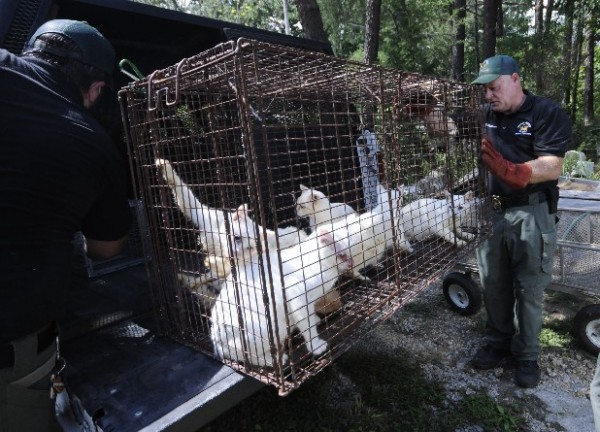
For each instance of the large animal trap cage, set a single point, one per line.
(242, 132)
(576, 262)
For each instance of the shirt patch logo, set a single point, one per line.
(524, 128)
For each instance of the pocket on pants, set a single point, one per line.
(30, 408)
(548, 250)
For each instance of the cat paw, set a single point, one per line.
(404, 245)
(362, 277)
(318, 346)
(467, 235)
(460, 243)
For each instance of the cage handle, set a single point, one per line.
(177, 76)
(167, 101)
(134, 74)
(149, 93)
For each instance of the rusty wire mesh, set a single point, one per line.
(577, 263)
(249, 123)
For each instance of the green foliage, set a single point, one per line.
(344, 23)
(418, 35)
(587, 139)
(264, 14)
(556, 334)
(490, 414)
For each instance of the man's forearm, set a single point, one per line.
(545, 168)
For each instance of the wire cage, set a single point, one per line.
(296, 199)
(576, 263)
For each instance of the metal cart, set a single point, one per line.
(576, 264)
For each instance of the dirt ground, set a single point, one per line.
(444, 342)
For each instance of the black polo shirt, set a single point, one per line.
(59, 173)
(540, 127)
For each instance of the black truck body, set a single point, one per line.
(125, 376)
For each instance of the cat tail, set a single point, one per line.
(203, 217)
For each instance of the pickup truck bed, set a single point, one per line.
(126, 375)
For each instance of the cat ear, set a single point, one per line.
(303, 188)
(241, 213)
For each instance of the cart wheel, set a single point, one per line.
(462, 293)
(587, 327)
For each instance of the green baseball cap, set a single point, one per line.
(493, 67)
(96, 50)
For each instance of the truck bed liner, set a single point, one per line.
(130, 377)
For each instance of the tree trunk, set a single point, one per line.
(567, 54)
(499, 19)
(588, 85)
(476, 23)
(312, 22)
(538, 40)
(459, 14)
(548, 19)
(490, 10)
(576, 64)
(539, 16)
(372, 26)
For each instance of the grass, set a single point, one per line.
(557, 333)
(557, 329)
(365, 392)
(490, 414)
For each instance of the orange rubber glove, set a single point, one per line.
(516, 176)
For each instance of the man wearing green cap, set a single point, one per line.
(524, 141)
(60, 173)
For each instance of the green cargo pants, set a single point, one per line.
(515, 267)
(25, 403)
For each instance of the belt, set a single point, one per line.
(501, 203)
(43, 339)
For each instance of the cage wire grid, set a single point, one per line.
(577, 263)
(226, 144)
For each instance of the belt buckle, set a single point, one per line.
(497, 203)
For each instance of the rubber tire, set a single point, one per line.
(462, 293)
(587, 327)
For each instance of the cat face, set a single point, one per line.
(243, 237)
(335, 243)
(310, 201)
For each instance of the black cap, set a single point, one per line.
(96, 50)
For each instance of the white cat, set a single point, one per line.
(315, 205)
(240, 321)
(389, 204)
(428, 217)
(371, 233)
(432, 185)
(212, 222)
(367, 238)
